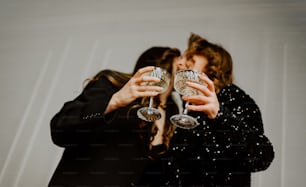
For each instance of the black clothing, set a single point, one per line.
(99, 150)
(112, 150)
(222, 151)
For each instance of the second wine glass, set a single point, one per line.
(150, 113)
(184, 120)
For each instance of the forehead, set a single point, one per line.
(195, 61)
(192, 56)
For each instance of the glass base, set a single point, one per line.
(184, 121)
(148, 114)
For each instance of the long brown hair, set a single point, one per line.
(118, 79)
(220, 66)
(165, 61)
(161, 57)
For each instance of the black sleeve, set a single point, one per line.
(238, 135)
(76, 120)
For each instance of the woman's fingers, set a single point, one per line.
(210, 84)
(140, 76)
(140, 83)
(145, 79)
(206, 102)
(147, 94)
(141, 71)
(202, 88)
(210, 109)
(207, 88)
(197, 99)
(149, 89)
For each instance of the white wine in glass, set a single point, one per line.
(184, 120)
(150, 113)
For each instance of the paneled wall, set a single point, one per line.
(48, 48)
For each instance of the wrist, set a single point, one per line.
(113, 103)
(221, 112)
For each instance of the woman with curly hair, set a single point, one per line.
(229, 143)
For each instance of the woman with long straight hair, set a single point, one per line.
(105, 143)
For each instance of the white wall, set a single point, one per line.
(48, 47)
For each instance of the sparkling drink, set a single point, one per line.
(149, 113)
(181, 77)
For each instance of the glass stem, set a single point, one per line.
(185, 108)
(151, 102)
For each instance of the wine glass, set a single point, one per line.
(150, 113)
(184, 120)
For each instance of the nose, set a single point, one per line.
(181, 63)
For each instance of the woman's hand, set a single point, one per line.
(207, 102)
(134, 89)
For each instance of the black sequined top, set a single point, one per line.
(219, 152)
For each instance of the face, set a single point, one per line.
(197, 62)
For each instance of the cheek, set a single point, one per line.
(204, 69)
(201, 66)
(190, 65)
(198, 67)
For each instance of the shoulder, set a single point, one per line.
(231, 89)
(234, 93)
(237, 102)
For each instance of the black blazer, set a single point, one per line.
(99, 150)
